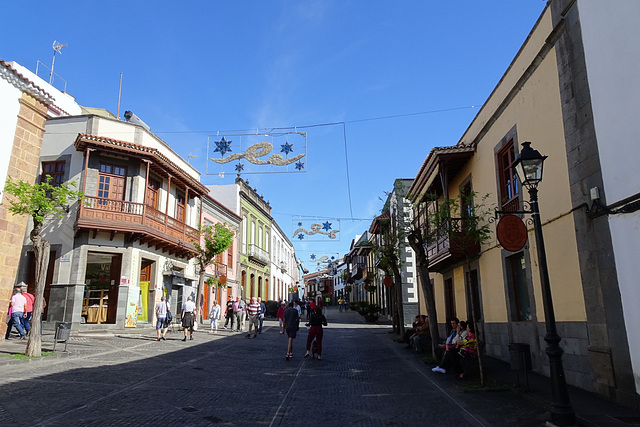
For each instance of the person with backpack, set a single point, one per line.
(315, 331)
(263, 311)
(229, 314)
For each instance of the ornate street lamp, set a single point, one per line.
(529, 169)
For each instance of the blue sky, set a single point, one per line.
(402, 76)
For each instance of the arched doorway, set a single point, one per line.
(251, 286)
(260, 286)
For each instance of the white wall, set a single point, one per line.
(612, 53)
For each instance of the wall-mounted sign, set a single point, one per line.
(512, 233)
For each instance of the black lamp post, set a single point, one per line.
(529, 169)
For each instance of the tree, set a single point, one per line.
(41, 201)
(214, 239)
(465, 223)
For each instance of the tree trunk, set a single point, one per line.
(41, 255)
(398, 285)
(422, 268)
(200, 295)
(474, 317)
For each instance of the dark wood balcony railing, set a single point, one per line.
(130, 217)
(445, 245)
(220, 270)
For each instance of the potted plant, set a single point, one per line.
(372, 313)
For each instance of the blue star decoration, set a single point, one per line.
(286, 148)
(300, 236)
(239, 167)
(299, 224)
(326, 226)
(299, 166)
(333, 257)
(223, 146)
(313, 256)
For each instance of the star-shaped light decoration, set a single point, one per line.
(326, 226)
(313, 256)
(300, 236)
(223, 146)
(286, 148)
(333, 257)
(239, 167)
(299, 166)
(299, 224)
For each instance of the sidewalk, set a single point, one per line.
(591, 409)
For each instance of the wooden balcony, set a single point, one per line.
(139, 223)
(443, 250)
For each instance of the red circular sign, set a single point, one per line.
(512, 233)
(388, 281)
(222, 279)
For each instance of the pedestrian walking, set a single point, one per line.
(237, 313)
(9, 319)
(263, 311)
(18, 303)
(340, 303)
(280, 316)
(253, 311)
(188, 317)
(28, 308)
(229, 313)
(162, 310)
(215, 316)
(291, 319)
(315, 331)
(243, 314)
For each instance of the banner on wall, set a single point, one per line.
(131, 313)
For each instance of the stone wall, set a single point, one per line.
(24, 165)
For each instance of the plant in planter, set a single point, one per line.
(372, 289)
(347, 288)
(353, 305)
(372, 313)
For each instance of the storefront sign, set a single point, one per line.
(133, 297)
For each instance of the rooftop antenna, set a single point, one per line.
(57, 47)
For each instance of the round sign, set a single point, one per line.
(388, 281)
(512, 233)
(222, 279)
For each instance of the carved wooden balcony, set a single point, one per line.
(138, 222)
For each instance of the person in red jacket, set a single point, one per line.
(28, 309)
(280, 316)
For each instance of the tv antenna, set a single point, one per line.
(57, 47)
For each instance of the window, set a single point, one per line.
(111, 181)
(180, 206)
(473, 288)
(153, 187)
(244, 234)
(230, 256)
(509, 188)
(55, 170)
(520, 303)
(260, 237)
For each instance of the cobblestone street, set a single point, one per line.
(365, 379)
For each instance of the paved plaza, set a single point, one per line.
(365, 379)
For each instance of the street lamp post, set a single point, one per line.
(529, 169)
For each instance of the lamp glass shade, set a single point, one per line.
(529, 165)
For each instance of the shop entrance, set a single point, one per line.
(102, 281)
(145, 280)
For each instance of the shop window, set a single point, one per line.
(508, 181)
(520, 302)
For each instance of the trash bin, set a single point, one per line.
(520, 356)
(63, 331)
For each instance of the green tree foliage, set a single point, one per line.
(41, 201)
(214, 240)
